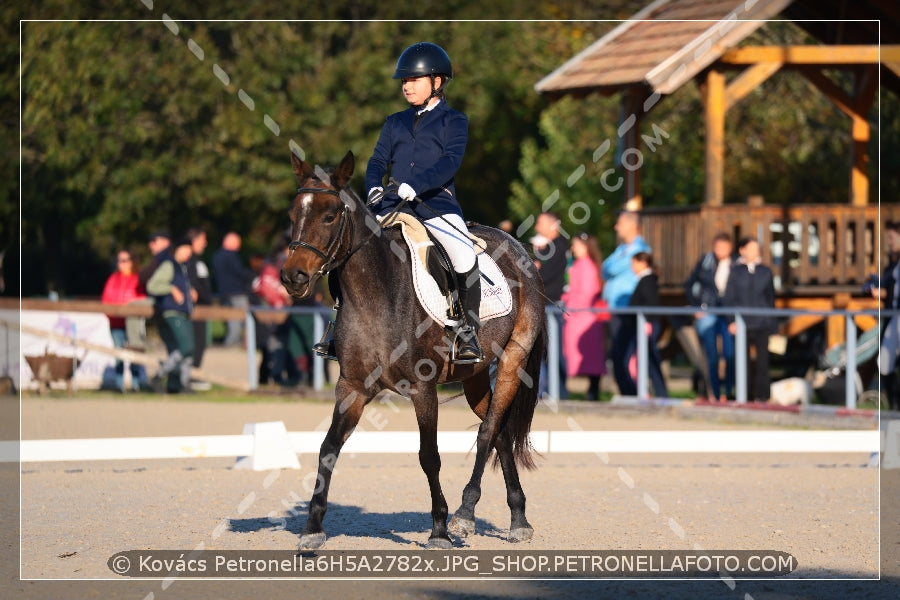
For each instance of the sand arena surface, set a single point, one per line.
(821, 508)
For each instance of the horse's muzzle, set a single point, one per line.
(298, 283)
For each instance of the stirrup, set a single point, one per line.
(465, 349)
(325, 347)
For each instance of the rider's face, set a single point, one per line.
(417, 89)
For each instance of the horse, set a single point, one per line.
(386, 342)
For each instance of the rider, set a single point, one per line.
(423, 147)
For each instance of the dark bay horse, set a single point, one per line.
(387, 342)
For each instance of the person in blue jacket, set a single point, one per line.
(619, 281)
(422, 148)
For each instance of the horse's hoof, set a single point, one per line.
(521, 534)
(311, 541)
(461, 527)
(438, 544)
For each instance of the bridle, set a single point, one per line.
(330, 254)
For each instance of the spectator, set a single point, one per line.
(278, 362)
(550, 249)
(751, 285)
(171, 287)
(584, 340)
(619, 281)
(887, 289)
(233, 282)
(123, 287)
(705, 288)
(198, 273)
(159, 242)
(646, 293)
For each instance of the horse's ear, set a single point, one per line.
(302, 170)
(344, 172)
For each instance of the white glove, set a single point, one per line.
(406, 192)
(375, 195)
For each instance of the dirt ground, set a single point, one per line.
(823, 509)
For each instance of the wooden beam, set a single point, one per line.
(201, 313)
(828, 87)
(631, 111)
(748, 81)
(812, 55)
(894, 67)
(714, 116)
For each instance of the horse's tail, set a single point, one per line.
(521, 410)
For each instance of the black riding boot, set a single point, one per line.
(468, 287)
(325, 347)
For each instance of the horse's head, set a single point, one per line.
(321, 225)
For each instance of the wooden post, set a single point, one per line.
(864, 89)
(630, 157)
(714, 113)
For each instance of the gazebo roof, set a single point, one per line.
(670, 41)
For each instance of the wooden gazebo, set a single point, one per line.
(827, 251)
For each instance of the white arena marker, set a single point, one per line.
(714, 441)
(135, 448)
(270, 440)
(272, 448)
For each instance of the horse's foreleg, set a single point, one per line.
(347, 412)
(426, 414)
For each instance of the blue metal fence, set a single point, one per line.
(553, 345)
(553, 382)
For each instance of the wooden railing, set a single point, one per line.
(813, 249)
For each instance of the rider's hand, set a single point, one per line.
(406, 192)
(375, 196)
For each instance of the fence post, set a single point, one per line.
(740, 359)
(553, 334)
(318, 361)
(642, 356)
(850, 371)
(250, 341)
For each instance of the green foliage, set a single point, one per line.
(129, 126)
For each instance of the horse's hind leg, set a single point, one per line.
(519, 528)
(478, 394)
(426, 405)
(347, 411)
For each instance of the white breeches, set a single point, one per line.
(459, 246)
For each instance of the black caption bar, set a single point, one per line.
(453, 563)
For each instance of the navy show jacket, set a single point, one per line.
(425, 156)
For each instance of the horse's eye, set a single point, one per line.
(329, 218)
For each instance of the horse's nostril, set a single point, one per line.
(292, 276)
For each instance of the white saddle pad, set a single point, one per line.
(496, 299)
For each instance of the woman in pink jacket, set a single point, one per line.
(584, 340)
(123, 287)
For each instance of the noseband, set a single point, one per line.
(330, 254)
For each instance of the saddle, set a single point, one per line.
(433, 278)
